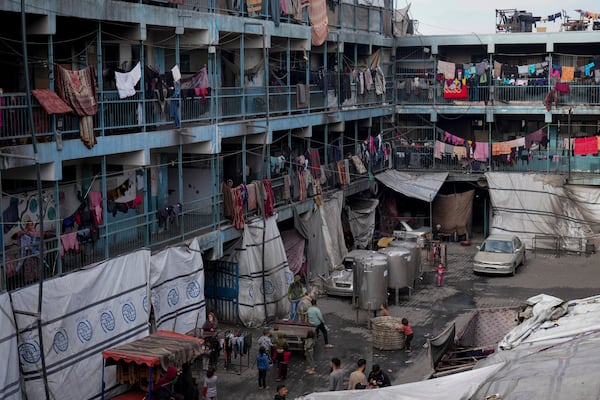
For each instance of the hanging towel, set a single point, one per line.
(176, 73)
(481, 151)
(317, 12)
(568, 73)
(447, 69)
(126, 81)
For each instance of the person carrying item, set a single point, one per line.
(315, 318)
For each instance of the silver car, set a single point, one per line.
(499, 254)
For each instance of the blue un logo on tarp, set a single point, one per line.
(128, 311)
(30, 352)
(84, 331)
(107, 321)
(173, 297)
(193, 290)
(60, 344)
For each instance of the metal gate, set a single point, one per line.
(221, 288)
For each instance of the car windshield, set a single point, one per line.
(497, 246)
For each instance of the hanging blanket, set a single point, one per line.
(79, 90)
(317, 13)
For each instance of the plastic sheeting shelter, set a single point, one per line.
(543, 210)
(361, 218)
(453, 212)
(419, 186)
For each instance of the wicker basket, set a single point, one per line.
(385, 335)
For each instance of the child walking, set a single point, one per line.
(408, 334)
(209, 390)
(262, 363)
(439, 274)
(309, 352)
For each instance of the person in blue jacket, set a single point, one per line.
(262, 363)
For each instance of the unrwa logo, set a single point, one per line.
(84, 331)
(173, 297)
(193, 290)
(30, 352)
(128, 311)
(107, 321)
(60, 344)
(267, 288)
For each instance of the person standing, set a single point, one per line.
(262, 363)
(281, 394)
(358, 379)
(439, 274)
(295, 293)
(265, 341)
(210, 325)
(315, 318)
(209, 390)
(309, 350)
(336, 376)
(408, 334)
(280, 347)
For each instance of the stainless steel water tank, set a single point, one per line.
(370, 279)
(399, 266)
(414, 267)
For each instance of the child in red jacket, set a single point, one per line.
(408, 334)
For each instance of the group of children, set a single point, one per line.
(270, 353)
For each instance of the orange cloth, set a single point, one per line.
(568, 73)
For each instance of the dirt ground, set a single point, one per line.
(429, 309)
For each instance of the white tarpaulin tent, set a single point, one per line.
(457, 386)
(10, 385)
(419, 186)
(361, 218)
(264, 277)
(541, 210)
(177, 288)
(555, 358)
(83, 313)
(322, 228)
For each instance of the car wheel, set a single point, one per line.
(514, 270)
(524, 258)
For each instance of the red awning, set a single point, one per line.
(51, 102)
(161, 348)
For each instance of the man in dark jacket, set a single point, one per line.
(377, 378)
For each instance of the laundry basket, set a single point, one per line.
(385, 335)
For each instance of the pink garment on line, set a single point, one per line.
(96, 206)
(69, 242)
(481, 151)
